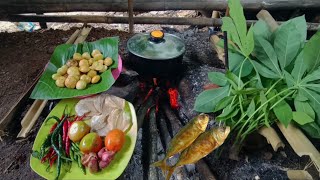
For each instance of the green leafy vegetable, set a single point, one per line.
(301, 118)
(208, 99)
(217, 78)
(273, 76)
(311, 54)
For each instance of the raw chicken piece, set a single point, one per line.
(107, 112)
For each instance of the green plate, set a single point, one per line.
(113, 171)
(46, 87)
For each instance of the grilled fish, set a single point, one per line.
(184, 138)
(201, 147)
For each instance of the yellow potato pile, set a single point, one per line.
(82, 70)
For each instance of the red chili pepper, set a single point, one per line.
(53, 159)
(173, 95)
(53, 127)
(81, 118)
(44, 159)
(67, 139)
(64, 132)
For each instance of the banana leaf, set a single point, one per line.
(46, 88)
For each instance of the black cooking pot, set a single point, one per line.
(156, 54)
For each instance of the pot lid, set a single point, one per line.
(156, 45)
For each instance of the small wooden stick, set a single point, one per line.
(272, 137)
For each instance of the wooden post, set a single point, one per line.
(130, 12)
(43, 25)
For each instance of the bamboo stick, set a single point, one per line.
(38, 105)
(124, 20)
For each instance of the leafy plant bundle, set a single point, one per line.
(272, 76)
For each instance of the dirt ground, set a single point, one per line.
(25, 55)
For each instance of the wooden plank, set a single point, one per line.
(124, 20)
(38, 105)
(300, 143)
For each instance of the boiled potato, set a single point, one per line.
(94, 52)
(86, 55)
(70, 82)
(60, 81)
(97, 57)
(108, 61)
(55, 76)
(72, 63)
(77, 77)
(81, 84)
(104, 69)
(95, 79)
(92, 73)
(84, 69)
(85, 78)
(73, 71)
(84, 62)
(77, 56)
(90, 61)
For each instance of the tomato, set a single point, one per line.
(77, 130)
(114, 140)
(90, 143)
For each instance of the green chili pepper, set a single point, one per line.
(75, 146)
(59, 157)
(71, 154)
(79, 161)
(83, 169)
(55, 133)
(45, 145)
(52, 117)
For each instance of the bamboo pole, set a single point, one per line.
(40, 6)
(124, 20)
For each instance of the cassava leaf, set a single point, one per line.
(265, 72)
(235, 61)
(312, 129)
(283, 112)
(299, 68)
(207, 100)
(248, 44)
(237, 15)
(315, 75)
(234, 80)
(230, 28)
(223, 103)
(301, 118)
(266, 55)
(289, 79)
(251, 108)
(301, 97)
(217, 78)
(311, 53)
(286, 45)
(303, 106)
(228, 112)
(261, 28)
(301, 25)
(263, 100)
(314, 101)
